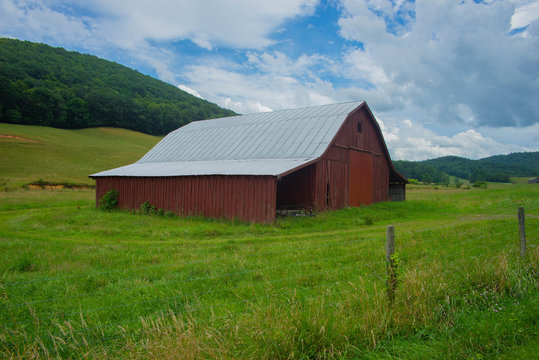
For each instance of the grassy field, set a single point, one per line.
(65, 156)
(521, 180)
(79, 282)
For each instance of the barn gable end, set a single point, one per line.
(354, 170)
(247, 167)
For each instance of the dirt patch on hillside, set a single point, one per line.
(45, 187)
(57, 186)
(17, 138)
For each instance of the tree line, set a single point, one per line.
(421, 172)
(43, 85)
(498, 168)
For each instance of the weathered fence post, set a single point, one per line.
(522, 231)
(390, 263)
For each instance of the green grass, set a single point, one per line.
(522, 180)
(77, 281)
(65, 156)
(455, 179)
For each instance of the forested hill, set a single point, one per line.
(493, 168)
(497, 168)
(43, 85)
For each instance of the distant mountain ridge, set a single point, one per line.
(498, 168)
(43, 85)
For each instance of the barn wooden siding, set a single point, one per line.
(248, 198)
(354, 168)
(397, 191)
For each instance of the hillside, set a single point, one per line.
(43, 85)
(498, 168)
(421, 172)
(58, 155)
(522, 164)
(495, 168)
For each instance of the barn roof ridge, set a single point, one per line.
(300, 113)
(280, 111)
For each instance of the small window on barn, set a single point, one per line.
(359, 127)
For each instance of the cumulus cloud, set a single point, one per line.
(524, 15)
(237, 91)
(245, 107)
(306, 67)
(128, 23)
(190, 91)
(271, 83)
(34, 20)
(361, 64)
(456, 61)
(407, 140)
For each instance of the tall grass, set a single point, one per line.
(78, 282)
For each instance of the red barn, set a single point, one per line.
(249, 166)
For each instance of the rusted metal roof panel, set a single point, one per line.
(268, 143)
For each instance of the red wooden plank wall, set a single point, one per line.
(361, 178)
(332, 173)
(380, 179)
(334, 167)
(367, 139)
(248, 198)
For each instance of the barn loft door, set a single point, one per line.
(360, 178)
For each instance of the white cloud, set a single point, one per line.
(273, 81)
(190, 91)
(407, 122)
(525, 15)
(210, 23)
(237, 91)
(278, 63)
(34, 20)
(410, 141)
(359, 23)
(527, 136)
(454, 63)
(361, 64)
(246, 107)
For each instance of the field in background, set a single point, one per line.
(521, 180)
(76, 281)
(65, 156)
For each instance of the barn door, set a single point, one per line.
(360, 178)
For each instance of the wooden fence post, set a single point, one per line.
(522, 231)
(390, 264)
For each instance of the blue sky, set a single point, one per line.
(445, 77)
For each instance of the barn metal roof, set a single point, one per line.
(270, 143)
